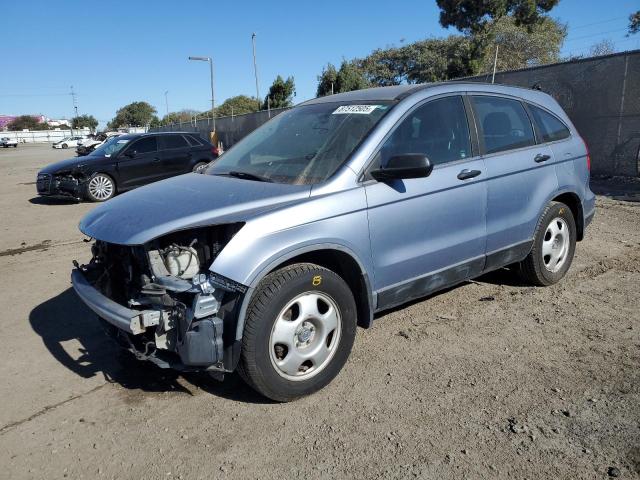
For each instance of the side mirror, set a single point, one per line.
(130, 153)
(409, 165)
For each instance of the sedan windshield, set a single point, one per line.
(110, 147)
(303, 146)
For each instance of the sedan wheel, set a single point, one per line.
(100, 188)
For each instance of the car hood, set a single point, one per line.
(186, 201)
(72, 164)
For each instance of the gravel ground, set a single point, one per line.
(492, 379)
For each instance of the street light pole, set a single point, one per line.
(255, 67)
(213, 97)
(166, 101)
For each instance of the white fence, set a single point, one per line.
(43, 136)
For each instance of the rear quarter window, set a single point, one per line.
(194, 140)
(551, 127)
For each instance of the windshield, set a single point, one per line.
(110, 147)
(303, 146)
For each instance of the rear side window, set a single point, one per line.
(438, 129)
(504, 123)
(194, 141)
(551, 127)
(145, 145)
(174, 141)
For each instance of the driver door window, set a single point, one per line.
(437, 129)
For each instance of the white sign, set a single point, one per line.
(357, 109)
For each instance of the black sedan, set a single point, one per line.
(126, 162)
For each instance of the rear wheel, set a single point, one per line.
(300, 327)
(64, 145)
(554, 244)
(100, 188)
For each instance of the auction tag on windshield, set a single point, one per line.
(359, 109)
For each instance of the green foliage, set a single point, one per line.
(136, 114)
(634, 23)
(519, 46)
(83, 121)
(472, 15)
(26, 122)
(280, 93)
(430, 60)
(180, 117)
(237, 105)
(327, 81)
(349, 77)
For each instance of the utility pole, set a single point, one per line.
(75, 107)
(166, 101)
(255, 67)
(495, 64)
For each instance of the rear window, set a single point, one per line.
(551, 127)
(504, 122)
(194, 140)
(174, 141)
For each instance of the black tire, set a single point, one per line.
(198, 166)
(64, 145)
(533, 269)
(272, 295)
(95, 197)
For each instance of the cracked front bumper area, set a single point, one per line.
(60, 185)
(170, 337)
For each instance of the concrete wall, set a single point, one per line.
(43, 136)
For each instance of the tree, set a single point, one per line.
(280, 94)
(83, 121)
(327, 81)
(237, 105)
(519, 46)
(431, 60)
(603, 47)
(472, 15)
(634, 23)
(185, 115)
(26, 122)
(136, 114)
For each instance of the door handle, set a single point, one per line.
(541, 158)
(156, 159)
(466, 173)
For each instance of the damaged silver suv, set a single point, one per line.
(341, 207)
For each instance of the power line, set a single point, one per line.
(597, 23)
(595, 34)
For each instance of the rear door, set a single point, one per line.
(176, 154)
(520, 176)
(428, 233)
(139, 163)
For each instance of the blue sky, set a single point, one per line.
(117, 52)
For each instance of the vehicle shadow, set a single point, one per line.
(617, 188)
(65, 317)
(53, 201)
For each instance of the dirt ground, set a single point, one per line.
(492, 379)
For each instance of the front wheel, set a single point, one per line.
(554, 244)
(64, 145)
(300, 327)
(199, 167)
(100, 188)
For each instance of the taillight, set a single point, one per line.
(215, 151)
(586, 147)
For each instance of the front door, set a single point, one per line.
(428, 233)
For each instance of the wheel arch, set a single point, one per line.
(572, 200)
(334, 257)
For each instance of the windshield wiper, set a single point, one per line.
(246, 176)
